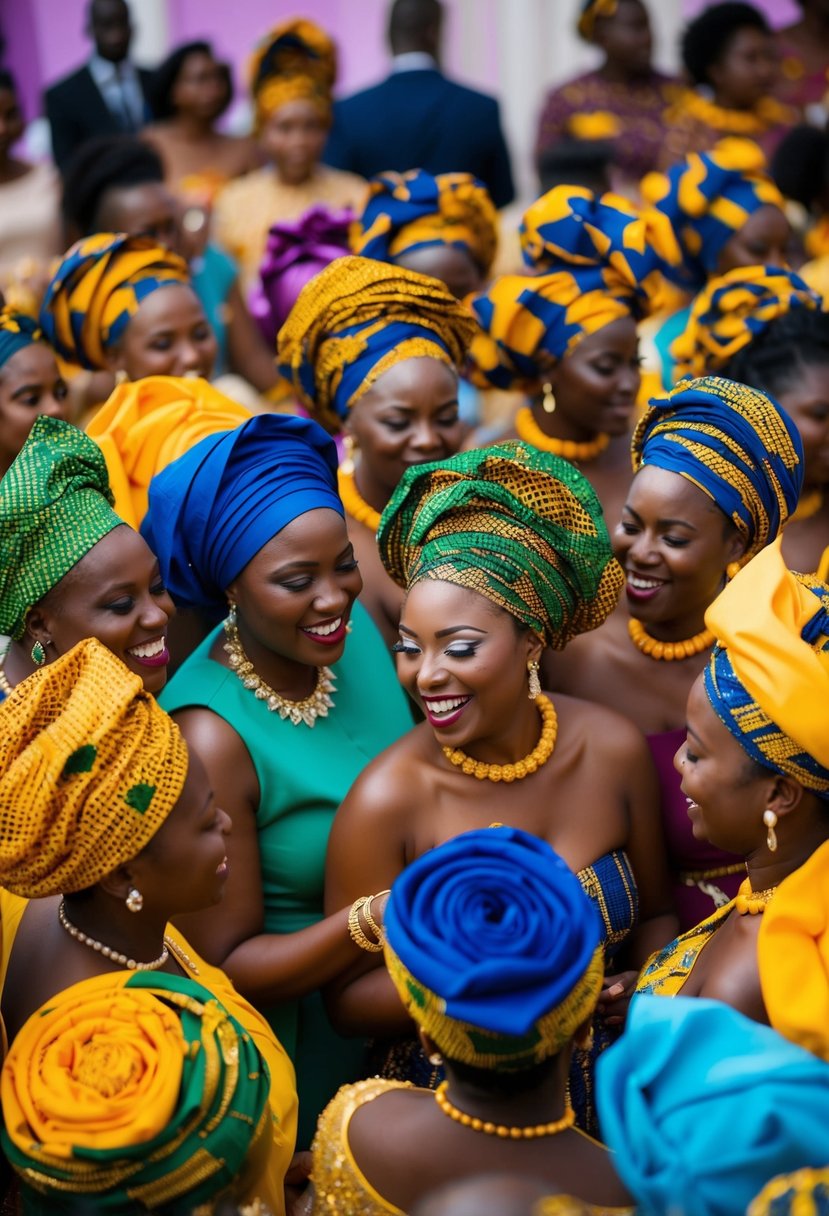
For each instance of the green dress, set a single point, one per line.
(304, 774)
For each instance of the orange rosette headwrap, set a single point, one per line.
(297, 61)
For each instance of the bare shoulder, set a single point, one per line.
(394, 782)
(604, 732)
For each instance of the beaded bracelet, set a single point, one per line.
(356, 930)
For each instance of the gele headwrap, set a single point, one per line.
(793, 956)
(708, 197)
(733, 310)
(591, 9)
(96, 290)
(701, 1106)
(296, 61)
(17, 331)
(768, 678)
(734, 443)
(357, 319)
(132, 1090)
(494, 948)
(596, 260)
(214, 508)
(521, 527)
(90, 767)
(803, 1193)
(55, 504)
(415, 210)
(146, 424)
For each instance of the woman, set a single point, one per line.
(282, 718)
(100, 1113)
(70, 568)
(30, 383)
(111, 829)
(729, 54)
(502, 551)
(568, 335)
(375, 351)
(803, 47)
(755, 769)
(292, 75)
(622, 101)
(718, 472)
(495, 951)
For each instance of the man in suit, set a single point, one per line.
(417, 118)
(108, 94)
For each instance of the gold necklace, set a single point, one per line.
(122, 960)
(668, 651)
(767, 113)
(522, 768)
(315, 706)
(355, 504)
(808, 506)
(528, 429)
(752, 902)
(502, 1129)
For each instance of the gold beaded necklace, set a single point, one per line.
(753, 903)
(503, 1130)
(668, 651)
(522, 768)
(355, 504)
(528, 429)
(308, 710)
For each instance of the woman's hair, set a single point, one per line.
(165, 78)
(774, 361)
(800, 166)
(7, 81)
(506, 1083)
(105, 163)
(708, 38)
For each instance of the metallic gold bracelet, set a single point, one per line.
(369, 919)
(356, 930)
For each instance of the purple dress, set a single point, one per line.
(703, 877)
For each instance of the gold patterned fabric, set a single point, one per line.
(296, 61)
(667, 969)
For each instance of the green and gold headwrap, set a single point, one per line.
(55, 504)
(521, 527)
(133, 1089)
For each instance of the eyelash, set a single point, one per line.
(304, 584)
(675, 542)
(468, 651)
(124, 607)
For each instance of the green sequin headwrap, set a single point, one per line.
(521, 527)
(55, 504)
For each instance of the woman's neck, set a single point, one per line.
(767, 869)
(192, 129)
(18, 663)
(107, 920)
(290, 679)
(520, 736)
(558, 426)
(616, 73)
(370, 488)
(541, 1103)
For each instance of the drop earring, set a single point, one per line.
(732, 570)
(231, 612)
(770, 820)
(38, 654)
(134, 900)
(121, 376)
(436, 1059)
(347, 462)
(548, 401)
(534, 688)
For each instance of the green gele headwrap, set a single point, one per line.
(522, 527)
(55, 504)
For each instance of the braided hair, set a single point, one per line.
(777, 357)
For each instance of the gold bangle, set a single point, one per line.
(369, 919)
(355, 928)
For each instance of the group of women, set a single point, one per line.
(470, 753)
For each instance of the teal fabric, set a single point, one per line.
(213, 275)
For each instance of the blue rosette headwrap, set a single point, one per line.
(215, 507)
(17, 331)
(735, 443)
(494, 948)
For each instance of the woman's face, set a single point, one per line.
(201, 87)
(674, 544)
(806, 402)
(295, 596)
(726, 796)
(449, 263)
(115, 594)
(293, 137)
(11, 121)
(463, 661)
(595, 387)
(184, 866)
(30, 384)
(746, 71)
(626, 37)
(409, 416)
(763, 240)
(145, 210)
(169, 335)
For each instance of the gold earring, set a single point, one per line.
(231, 611)
(732, 570)
(121, 376)
(534, 689)
(770, 820)
(548, 401)
(347, 462)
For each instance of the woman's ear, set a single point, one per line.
(39, 624)
(535, 647)
(118, 882)
(786, 795)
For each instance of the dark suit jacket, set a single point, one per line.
(76, 111)
(421, 120)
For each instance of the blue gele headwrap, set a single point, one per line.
(215, 507)
(17, 331)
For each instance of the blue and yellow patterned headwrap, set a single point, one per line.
(494, 948)
(296, 61)
(732, 311)
(357, 319)
(708, 197)
(407, 211)
(98, 287)
(735, 444)
(17, 331)
(768, 678)
(600, 260)
(803, 1193)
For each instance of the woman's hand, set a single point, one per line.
(614, 997)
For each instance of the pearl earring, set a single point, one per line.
(770, 820)
(548, 401)
(134, 900)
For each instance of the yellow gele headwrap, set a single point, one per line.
(147, 424)
(296, 61)
(768, 678)
(96, 290)
(357, 319)
(90, 767)
(793, 955)
(591, 9)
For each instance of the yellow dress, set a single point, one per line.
(667, 970)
